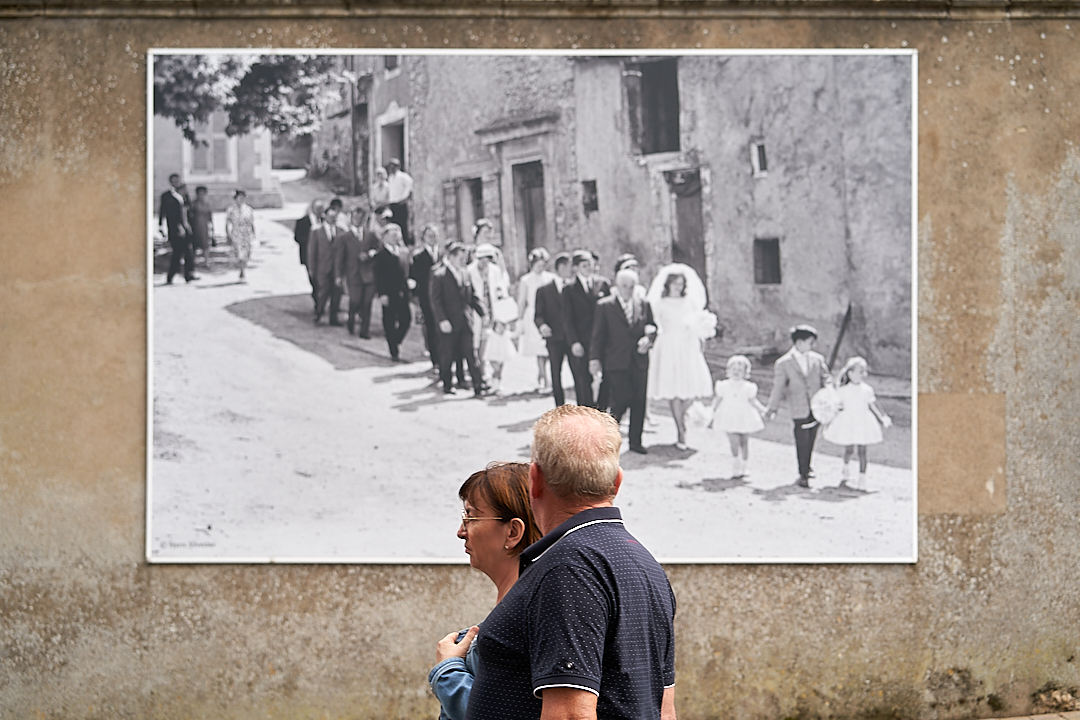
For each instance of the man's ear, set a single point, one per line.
(618, 482)
(537, 484)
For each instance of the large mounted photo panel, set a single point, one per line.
(299, 204)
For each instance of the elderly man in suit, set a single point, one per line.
(552, 322)
(173, 213)
(360, 246)
(581, 297)
(797, 375)
(326, 263)
(452, 294)
(302, 232)
(623, 333)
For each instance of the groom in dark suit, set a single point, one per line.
(623, 333)
(551, 320)
(451, 295)
(581, 296)
(797, 375)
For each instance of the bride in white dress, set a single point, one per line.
(677, 368)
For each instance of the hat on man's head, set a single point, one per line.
(454, 247)
(802, 331)
(485, 250)
(394, 162)
(581, 256)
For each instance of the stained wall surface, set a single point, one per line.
(987, 616)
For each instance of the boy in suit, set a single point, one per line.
(797, 375)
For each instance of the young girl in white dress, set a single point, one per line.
(859, 421)
(500, 345)
(740, 410)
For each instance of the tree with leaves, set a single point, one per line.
(285, 94)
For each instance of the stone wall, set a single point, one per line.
(987, 616)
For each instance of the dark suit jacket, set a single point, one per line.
(301, 234)
(790, 383)
(422, 266)
(614, 340)
(359, 265)
(580, 307)
(391, 279)
(551, 311)
(449, 300)
(175, 214)
(326, 258)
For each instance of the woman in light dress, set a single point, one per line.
(532, 344)
(240, 229)
(677, 368)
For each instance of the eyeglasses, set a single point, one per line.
(466, 518)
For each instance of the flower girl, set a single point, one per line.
(739, 410)
(859, 421)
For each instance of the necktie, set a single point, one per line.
(628, 310)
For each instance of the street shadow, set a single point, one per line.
(717, 484)
(503, 400)
(290, 318)
(521, 426)
(660, 456)
(832, 494)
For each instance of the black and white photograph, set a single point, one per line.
(369, 274)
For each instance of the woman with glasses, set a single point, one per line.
(496, 525)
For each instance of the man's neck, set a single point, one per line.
(567, 509)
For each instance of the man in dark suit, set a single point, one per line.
(551, 320)
(581, 296)
(797, 375)
(360, 246)
(623, 333)
(451, 295)
(392, 283)
(326, 263)
(425, 257)
(173, 213)
(302, 231)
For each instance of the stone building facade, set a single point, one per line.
(785, 181)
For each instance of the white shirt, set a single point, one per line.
(400, 185)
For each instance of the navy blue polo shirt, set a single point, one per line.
(592, 610)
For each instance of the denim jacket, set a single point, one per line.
(452, 681)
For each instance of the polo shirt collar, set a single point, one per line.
(586, 517)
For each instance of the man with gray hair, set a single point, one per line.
(623, 333)
(588, 629)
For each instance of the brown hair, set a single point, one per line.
(505, 487)
(577, 449)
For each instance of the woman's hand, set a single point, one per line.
(447, 648)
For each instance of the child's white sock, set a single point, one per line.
(861, 483)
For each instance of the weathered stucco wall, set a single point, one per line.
(988, 615)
